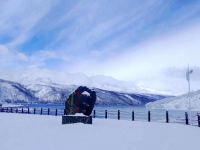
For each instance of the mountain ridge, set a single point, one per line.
(13, 92)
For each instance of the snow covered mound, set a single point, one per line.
(48, 92)
(35, 132)
(179, 102)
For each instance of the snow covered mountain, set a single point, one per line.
(48, 92)
(179, 102)
(11, 92)
(98, 81)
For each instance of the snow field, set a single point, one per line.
(35, 132)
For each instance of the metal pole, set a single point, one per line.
(118, 114)
(198, 120)
(167, 117)
(56, 112)
(133, 116)
(186, 118)
(149, 116)
(190, 119)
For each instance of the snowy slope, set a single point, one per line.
(36, 132)
(14, 92)
(120, 98)
(179, 102)
(48, 92)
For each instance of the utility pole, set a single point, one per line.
(188, 72)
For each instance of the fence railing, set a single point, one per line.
(117, 114)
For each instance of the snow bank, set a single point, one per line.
(177, 103)
(11, 105)
(34, 132)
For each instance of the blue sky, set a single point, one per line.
(125, 39)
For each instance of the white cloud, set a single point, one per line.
(124, 39)
(10, 56)
(147, 63)
(19, 17)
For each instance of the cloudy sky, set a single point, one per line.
(149, 42)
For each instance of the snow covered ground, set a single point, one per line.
(35, 132)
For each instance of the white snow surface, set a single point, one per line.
(34, 132)
(178, 102)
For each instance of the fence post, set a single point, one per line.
(41, 111)
(149, 116)
(106, 114)
(56, 112)
(11, 109)
(133, 115)
(22, 110)
(16, 110)
(118, 114)
(167, 117)
(34, 111)
(198, 120)
(94, 113)
(28, 110)
(186, 118)
(48, 111)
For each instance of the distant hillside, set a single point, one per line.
(41, 92)
(179, 102)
